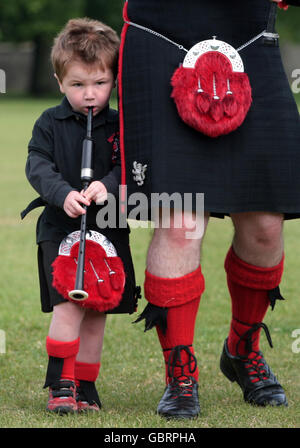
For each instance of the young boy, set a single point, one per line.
(84, 58)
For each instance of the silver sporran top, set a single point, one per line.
(74, 237)
(214, 45)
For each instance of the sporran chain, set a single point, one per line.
(181, 47)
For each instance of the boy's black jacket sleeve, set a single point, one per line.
(113, 180)
(40, 168)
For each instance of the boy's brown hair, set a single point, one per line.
(88, 41)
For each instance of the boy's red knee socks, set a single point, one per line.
(62, 356)
(85, 378)
(86, 371)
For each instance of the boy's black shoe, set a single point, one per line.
(254, 376)
(180, 399)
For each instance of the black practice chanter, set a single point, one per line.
(87, 174)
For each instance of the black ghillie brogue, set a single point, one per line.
(252, 373)
(180, 399)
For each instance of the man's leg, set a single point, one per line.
(174, 283)
(254, 266)
(171, 252)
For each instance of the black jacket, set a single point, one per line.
(54, 163)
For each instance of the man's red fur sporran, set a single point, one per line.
(194, 90)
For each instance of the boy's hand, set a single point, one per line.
(72, 204)
(96, 192)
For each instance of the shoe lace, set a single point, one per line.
(257, 368)
(247, 336)
(181, 384)
(175, 360)
(254, 362)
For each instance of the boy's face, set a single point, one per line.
(85, 85)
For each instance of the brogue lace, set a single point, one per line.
(247, 337)
(181, 386)
(257, 368)
(175, 360)
(254, 362)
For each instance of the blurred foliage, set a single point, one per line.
(288, 24)
(39, 21)
(22, 20)
(109, 11)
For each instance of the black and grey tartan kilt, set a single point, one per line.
(48, 251)
(256, 167)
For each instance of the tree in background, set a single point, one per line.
(109, 11)
(288, 24)
(38, 21)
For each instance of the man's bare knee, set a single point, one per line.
(259, 229)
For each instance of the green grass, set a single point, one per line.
(132, 373)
